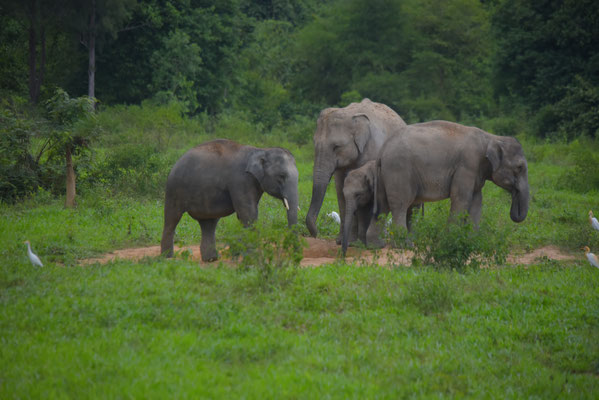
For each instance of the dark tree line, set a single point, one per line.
(455, 59)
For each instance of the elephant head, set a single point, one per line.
(339, 141)
(510, 172)
(359, 191)
(277, 174)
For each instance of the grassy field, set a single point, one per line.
(172, 329)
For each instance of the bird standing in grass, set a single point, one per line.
(593, 221)
(35, 260)
(335, 216)
(591, 257)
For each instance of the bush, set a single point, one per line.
(19, 171)
(584, 176)
(273, 252)
(453, 245)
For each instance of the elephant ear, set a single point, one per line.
(494, 154)
(362, 132)
(255, 165)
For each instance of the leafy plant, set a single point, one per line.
(454, 245)
(272, 251)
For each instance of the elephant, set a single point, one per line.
(436, 160)
(359, 190)
(365, 198)
(345, 139)
(220, 177)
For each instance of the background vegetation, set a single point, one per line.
(169, 74)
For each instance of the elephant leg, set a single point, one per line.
(208, 244)
(353, 232)
(364, 217)
(246, 210)
(374, 233)
(171, 220)
(476, 208)
(461, 193)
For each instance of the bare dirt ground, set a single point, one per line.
(323, 251)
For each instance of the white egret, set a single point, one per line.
(335, 216)
(35, 260)
(593, 221)
(591, 257)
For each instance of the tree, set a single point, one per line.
(426, 59)
(542, 46)
(68, 117)
(93, 20)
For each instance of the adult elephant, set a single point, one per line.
(345, 139)
(437, 160)
(218, 178)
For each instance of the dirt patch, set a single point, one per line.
(322, 251)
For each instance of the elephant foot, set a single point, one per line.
(352, 239)
(376, 243)
(209, 255)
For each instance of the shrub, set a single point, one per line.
(453, 245)
(584, 176)
(273, 252)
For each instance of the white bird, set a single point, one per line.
(591, 257)
(35, 260)
(335, 216)
(593, 221)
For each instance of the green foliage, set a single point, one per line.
(176, 67)
(273, 252)
(584, 176)
(547, 59)
(19, 171)
(455, 244)
(68, 116)
(424, 59)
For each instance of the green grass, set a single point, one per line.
(172, 329)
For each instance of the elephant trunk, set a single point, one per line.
(520, 200)
(291, 203)
(321, 178)
(350, 209)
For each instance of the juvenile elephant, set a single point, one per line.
(218, 178)
(359, 190)
(437, 160)
(365, 198)
(345, 139)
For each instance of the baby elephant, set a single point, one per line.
(359, 190)
(218, 178)
(365, 198)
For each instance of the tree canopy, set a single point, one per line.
(461, 60)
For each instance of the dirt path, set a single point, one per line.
(322, 251)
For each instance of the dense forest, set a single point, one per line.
(521, 66)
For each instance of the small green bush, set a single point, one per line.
(272, 251)
(584, 176)
(454, 245)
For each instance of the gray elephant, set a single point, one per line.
(345, 139)
(218, 178)
(437, 160)
(359, 191)
(365, 198)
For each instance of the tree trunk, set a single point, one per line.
(91, 86)
(70, 200)
(32, 51)
(40, 80)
